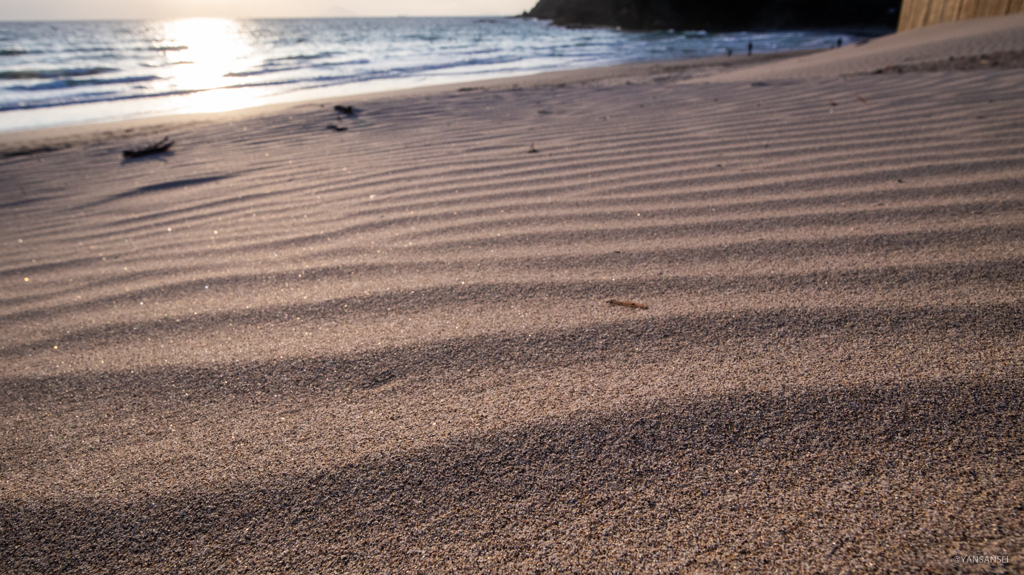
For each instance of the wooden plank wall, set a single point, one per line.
(917, 13)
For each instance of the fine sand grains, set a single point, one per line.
(280, 348)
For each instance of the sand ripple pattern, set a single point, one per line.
(288, 349)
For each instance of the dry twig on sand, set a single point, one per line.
(157, 148)
(627, 304)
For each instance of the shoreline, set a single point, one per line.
(920, 44)
(80, 133)
(132, 90)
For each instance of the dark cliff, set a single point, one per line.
(717, 16)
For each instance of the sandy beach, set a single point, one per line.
(284, 348)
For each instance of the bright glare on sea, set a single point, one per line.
(59, 73)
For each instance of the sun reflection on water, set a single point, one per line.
(206, 51)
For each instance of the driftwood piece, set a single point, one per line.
(347, 110)
(157, 148)
(632, 304)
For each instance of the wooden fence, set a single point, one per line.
(917, 13)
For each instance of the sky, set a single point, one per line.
(164, 9)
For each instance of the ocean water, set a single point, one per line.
(60, 73)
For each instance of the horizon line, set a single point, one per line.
(352, 17)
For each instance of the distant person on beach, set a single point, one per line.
(839, 43)
(728, 51)
(750, 48)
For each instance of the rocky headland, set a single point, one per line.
(714, 16)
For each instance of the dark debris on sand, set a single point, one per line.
(157, 148)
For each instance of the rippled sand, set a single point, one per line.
(283, 348)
